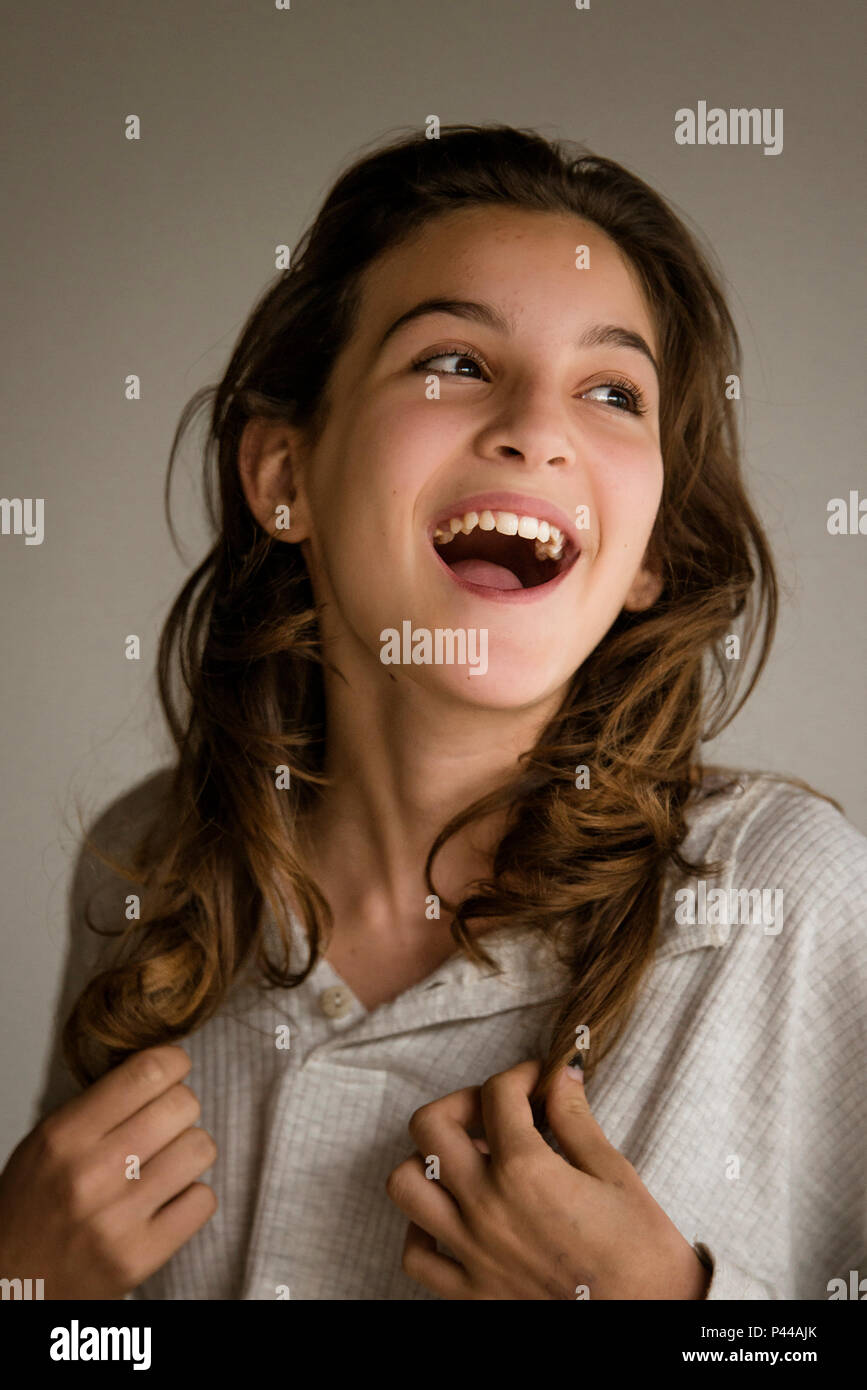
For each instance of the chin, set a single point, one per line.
(506, 685)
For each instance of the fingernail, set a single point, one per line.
(575, 1068)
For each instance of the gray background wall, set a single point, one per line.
(145, 257)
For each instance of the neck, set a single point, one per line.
(398, 769)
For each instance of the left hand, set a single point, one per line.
(520, 1221)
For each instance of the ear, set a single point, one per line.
(269, 466)
(646, 587)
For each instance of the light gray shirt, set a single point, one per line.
(738, 1090)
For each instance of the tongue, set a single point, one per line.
(484, 572)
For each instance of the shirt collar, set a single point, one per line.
(530, 971)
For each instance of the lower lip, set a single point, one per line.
(533, 595)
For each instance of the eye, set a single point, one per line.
(462, 354)
(627, 390)
(634, 397)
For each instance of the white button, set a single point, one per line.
(335, 1002)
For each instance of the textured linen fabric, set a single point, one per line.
(738, 1090)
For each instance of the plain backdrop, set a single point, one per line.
(146, 256)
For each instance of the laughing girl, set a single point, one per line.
(384, 904)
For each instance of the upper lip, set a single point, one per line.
(518, 502)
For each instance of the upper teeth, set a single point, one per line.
(549, 539)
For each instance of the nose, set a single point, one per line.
(509, 451)
(532, 427)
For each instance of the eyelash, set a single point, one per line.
(639, 401)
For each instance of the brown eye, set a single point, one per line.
(462, 355)
(635, 402)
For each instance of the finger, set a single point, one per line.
(425, 1201)
(150, 1132)
(122, 1091)
(154, 1126)
(579, 1134)
(170, 1171)
(441, 1128)
(507, 1114)
(426, 1265)
(174, 1224)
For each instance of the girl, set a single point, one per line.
(485, 575)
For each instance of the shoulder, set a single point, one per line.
(131, 813)
(116, 831)
(767, 820)
(96, 914)
(776, 836)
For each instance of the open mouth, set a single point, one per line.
(501, 550)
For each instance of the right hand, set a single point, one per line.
(68, 1212)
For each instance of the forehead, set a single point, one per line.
(522, 260)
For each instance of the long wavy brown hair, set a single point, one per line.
(240, 667)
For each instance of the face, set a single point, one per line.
(457, 441)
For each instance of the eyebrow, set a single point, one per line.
(596, 335)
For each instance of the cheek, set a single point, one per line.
(628, 496)
(391, 451)
(366, 491)
(415, 437)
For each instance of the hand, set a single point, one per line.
(520, 1222)
(68, 1212)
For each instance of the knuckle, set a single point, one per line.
(397, 1180)
(488, 1086)
(208, 1198)
(62, 1171)
(73, 1190)
(203, 1145)
(185, 1101)
(492, 1086)
(420, 1119)
(148, 1068)
(160, 1064)
(204, 1203)
(50, 1141)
